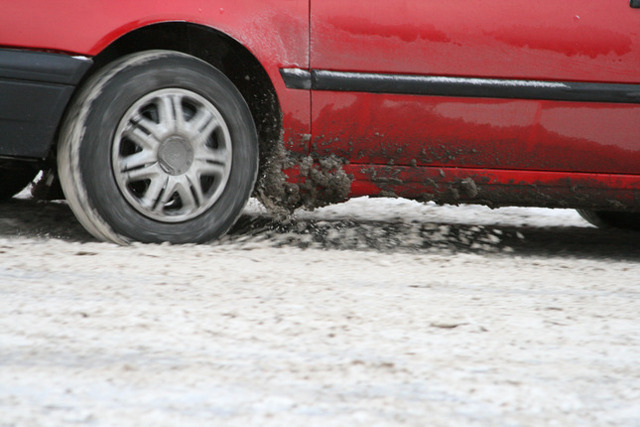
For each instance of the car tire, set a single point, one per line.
(15, 176)
(158, 146)
(611, 219)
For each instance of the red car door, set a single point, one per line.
(506, 84)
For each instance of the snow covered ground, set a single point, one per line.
(374, 312)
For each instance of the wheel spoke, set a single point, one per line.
(209, 169)
(183, 189)
(137, 160)
(166, 114)
(202, 124)
(169, 191)
(136, 134)
(151, 196)
(209, 155)
(147, 124)
(170, 112)
(179, 122)
(196, 185)
(152, 172)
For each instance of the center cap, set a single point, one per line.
(175, 155)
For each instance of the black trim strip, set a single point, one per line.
(339, 81)
(42, 66)
(295, 78)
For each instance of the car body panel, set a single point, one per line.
(89, 27)
(276, 32)
(476, 132)
(572, 41)
(453, 147)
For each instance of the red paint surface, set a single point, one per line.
(517, 151)
(87, 27)
(474, 132)
(276, 32)
(573, 40)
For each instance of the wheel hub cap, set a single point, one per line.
(175, 155)
(172, 155)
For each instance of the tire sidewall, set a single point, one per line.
(122, 89)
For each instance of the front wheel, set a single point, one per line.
(158, 146)
(610, 219)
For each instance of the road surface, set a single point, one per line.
(375, 312)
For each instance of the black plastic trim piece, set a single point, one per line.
(35, 88)
(475, 87)
(42, 66)
(323, 80)
(295, 78)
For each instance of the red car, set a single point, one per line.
(163, 117)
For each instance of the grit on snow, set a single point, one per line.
(374, 312)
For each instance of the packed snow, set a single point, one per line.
(373, 312)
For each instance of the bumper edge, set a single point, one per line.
(35, 88)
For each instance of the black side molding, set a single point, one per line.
(295, 78)
(339, 81)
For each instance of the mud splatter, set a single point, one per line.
(315, 182)
(398, 236)
(469, 186)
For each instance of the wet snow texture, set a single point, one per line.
(373, 312)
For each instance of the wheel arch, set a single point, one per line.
(221, 51)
